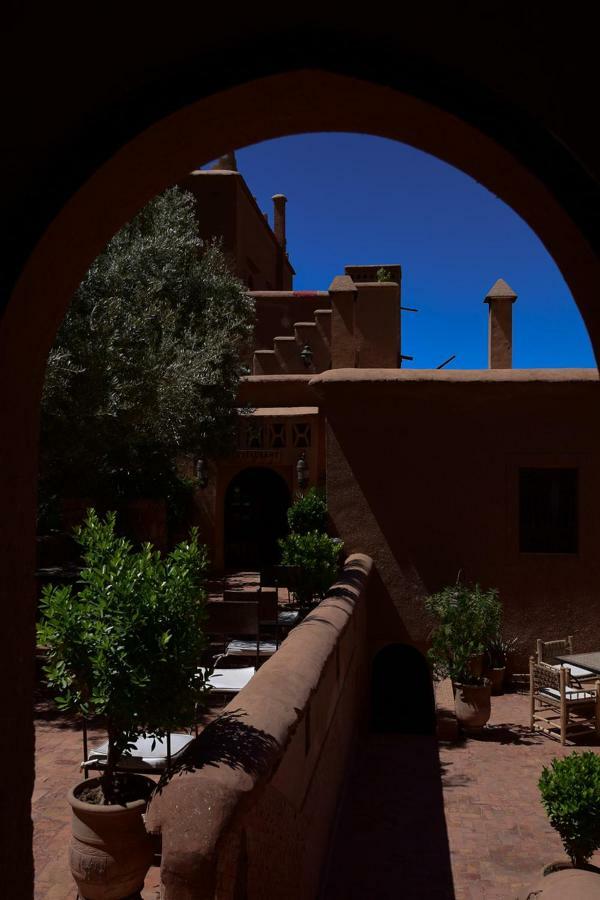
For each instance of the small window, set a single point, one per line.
(301, 433)
(277, 435)
(548, 511)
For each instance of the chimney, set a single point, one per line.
(226, 163)
(500, 299)
(279, 201)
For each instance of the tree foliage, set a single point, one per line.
(314, 557)
(127, 645)
(467, 618)
(570, 790)
(308, 512)
(147, 362)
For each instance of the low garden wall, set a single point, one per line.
(252, 817)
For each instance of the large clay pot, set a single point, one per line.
(473, 706)
(110, 849)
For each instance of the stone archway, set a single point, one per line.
(287, 103)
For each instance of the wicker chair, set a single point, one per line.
(556, 708)
(547, 651)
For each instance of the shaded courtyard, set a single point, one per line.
(480, 832)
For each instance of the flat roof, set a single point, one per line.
(281, 411)
(280, 295)
(454, 376)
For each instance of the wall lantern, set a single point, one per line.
(302, 472)
(201, 472)
(306, 355)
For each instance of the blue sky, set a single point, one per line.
(360, 199)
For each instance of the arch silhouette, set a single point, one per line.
(229, 117)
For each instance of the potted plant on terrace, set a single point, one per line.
(497, 653)
(570, 790)
(466, 616)
(125, 647)
(315, 559)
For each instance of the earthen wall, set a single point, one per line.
(422, 472)
(256, 819)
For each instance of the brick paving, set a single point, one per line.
(459, 820)
(419, 820)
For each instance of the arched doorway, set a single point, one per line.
(402, 700)
(256, 503)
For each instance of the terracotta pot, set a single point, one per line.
(472, 703)
(110, 849)
(562, 880)
(496, 677)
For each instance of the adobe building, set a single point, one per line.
(281, 442)
(492, 474)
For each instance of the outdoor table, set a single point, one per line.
(589, 661)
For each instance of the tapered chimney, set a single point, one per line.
(279, 201)
(500, 300)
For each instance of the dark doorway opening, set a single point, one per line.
(402, 700)
(256, 503)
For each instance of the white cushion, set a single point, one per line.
(576, 671)
(248, 648)
(144, 755)
(230, 680)
(288, 618)
(570, 693)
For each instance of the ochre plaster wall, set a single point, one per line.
(277, 313)
(255, 820)
(422, 472)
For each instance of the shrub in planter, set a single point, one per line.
(497, 652)
(316, 559)
(127, 644)
(308, 513)
(467, 618)
(570, 790)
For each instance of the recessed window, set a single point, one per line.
(277, 435)
(548, 510)
(301, 434)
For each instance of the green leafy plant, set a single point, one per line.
(146, 364)
(498, 650)
(383, 274)
(570, 790)
(127, 645)
(308, 512)
(467, 618)
(315, 558)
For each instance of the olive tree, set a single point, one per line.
(146, 364)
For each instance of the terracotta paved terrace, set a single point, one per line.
(457, 821)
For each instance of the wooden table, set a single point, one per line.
(589, 661)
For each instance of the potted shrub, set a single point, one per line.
(315, 558)
(126, 647)
(308, 513)
(466, 616)
(497, 652)
(570, 790)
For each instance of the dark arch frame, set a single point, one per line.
(92, 187)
